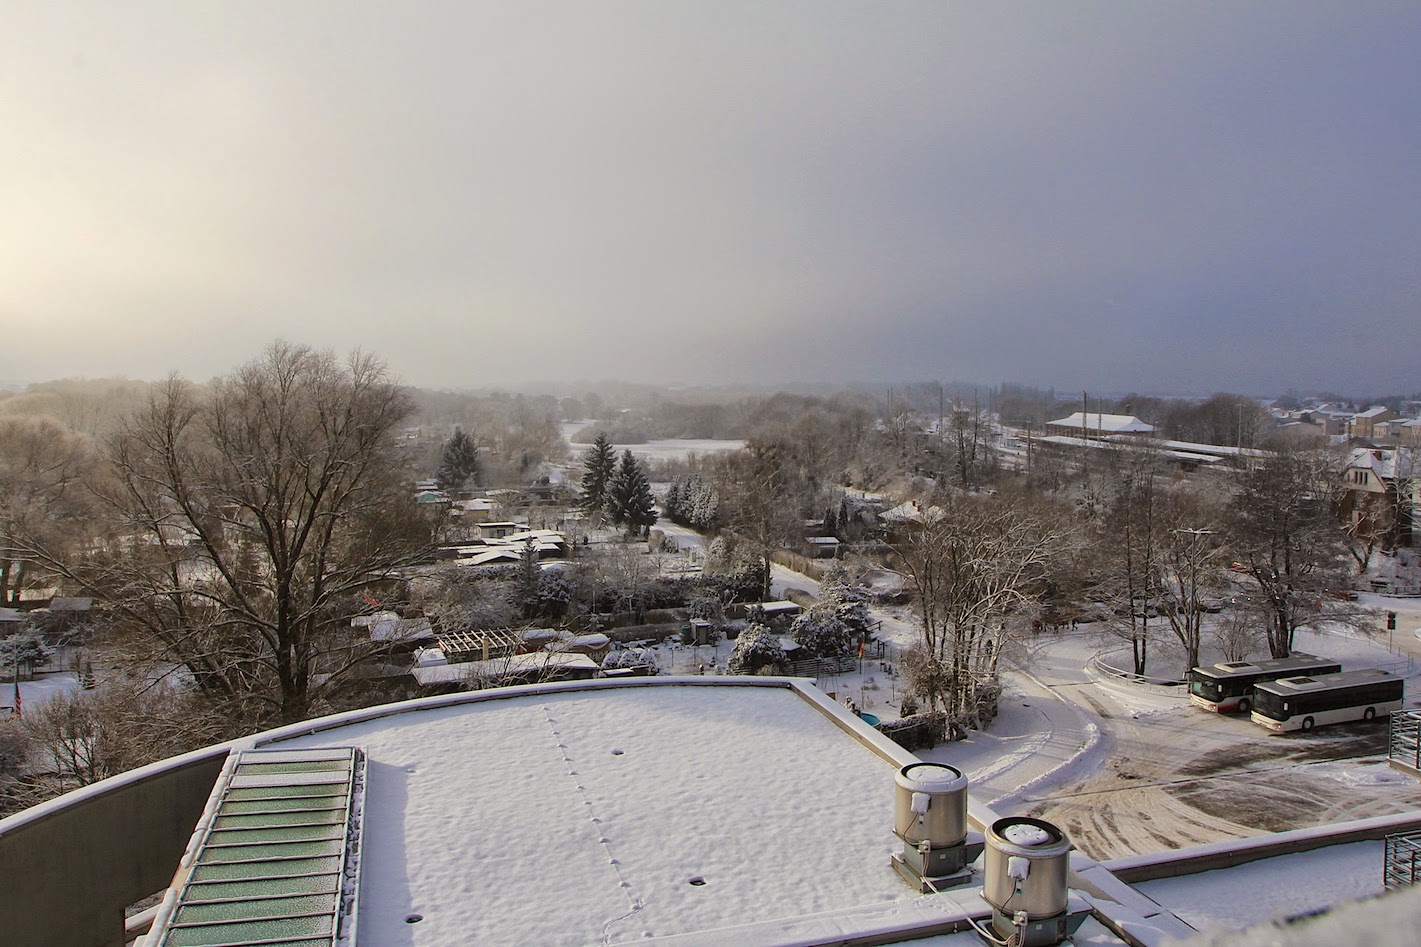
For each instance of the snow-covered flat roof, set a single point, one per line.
(1281, 888)
(618, 814)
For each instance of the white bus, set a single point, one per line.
(1228, 688)
(1301, 703)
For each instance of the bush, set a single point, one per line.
(756, 650)
(820, 632)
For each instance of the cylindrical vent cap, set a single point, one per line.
(931, 778)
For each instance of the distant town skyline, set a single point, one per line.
(1174, 197)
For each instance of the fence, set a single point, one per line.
(823, 667)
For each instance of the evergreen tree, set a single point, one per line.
(692, 502)
(629, 501)
(598, 465)
(528, 573)
(674, 506)
(459, 463)
(717, 557)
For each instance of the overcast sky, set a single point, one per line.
(1162, 196)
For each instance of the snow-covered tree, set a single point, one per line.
(630, 658)
(693, 502)
(820, 632)
(718, 557)
(977, 565)
(598, 465)
(848, 603)
(629, 503)
(705, 608)
(459, 463)
(27, 649)
(756, 651)
(672, 506)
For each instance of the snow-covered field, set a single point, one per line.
(656, 450)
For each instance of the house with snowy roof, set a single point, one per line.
(1398, 431)
(1380, 495)
(1364, 422)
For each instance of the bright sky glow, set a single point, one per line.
(1167, 196)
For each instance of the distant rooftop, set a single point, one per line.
(1104, 423)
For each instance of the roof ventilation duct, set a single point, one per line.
(930, 817)
(1025, 872)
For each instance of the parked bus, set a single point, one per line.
(1301, 703)
(1228, 688)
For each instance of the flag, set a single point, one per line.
(860, 649)
(371, 600)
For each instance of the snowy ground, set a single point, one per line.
(1165, 774)
(37, 692)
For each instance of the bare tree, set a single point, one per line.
(765, 498)
(1190, 569)
(977, 564)
(1240, 631)
(1132, 534)
(1285, 538)
(966, 441)
(75, 738)
(251, 519)
(41, 495)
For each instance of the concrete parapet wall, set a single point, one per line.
(1190, 861)
(73, 864)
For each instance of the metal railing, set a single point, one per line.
(1403, 851)
(1165, 687)
(1404, 743)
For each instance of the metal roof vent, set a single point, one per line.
(930, 818)
(1025, 873)
(275, 859)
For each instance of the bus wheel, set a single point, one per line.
(1369, 714)
(1307, 723)
(1244, 706)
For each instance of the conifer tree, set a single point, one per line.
(459, 463)
(598, 465)
(629, 501)
(676, 499)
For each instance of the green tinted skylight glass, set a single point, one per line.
(269, 859)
